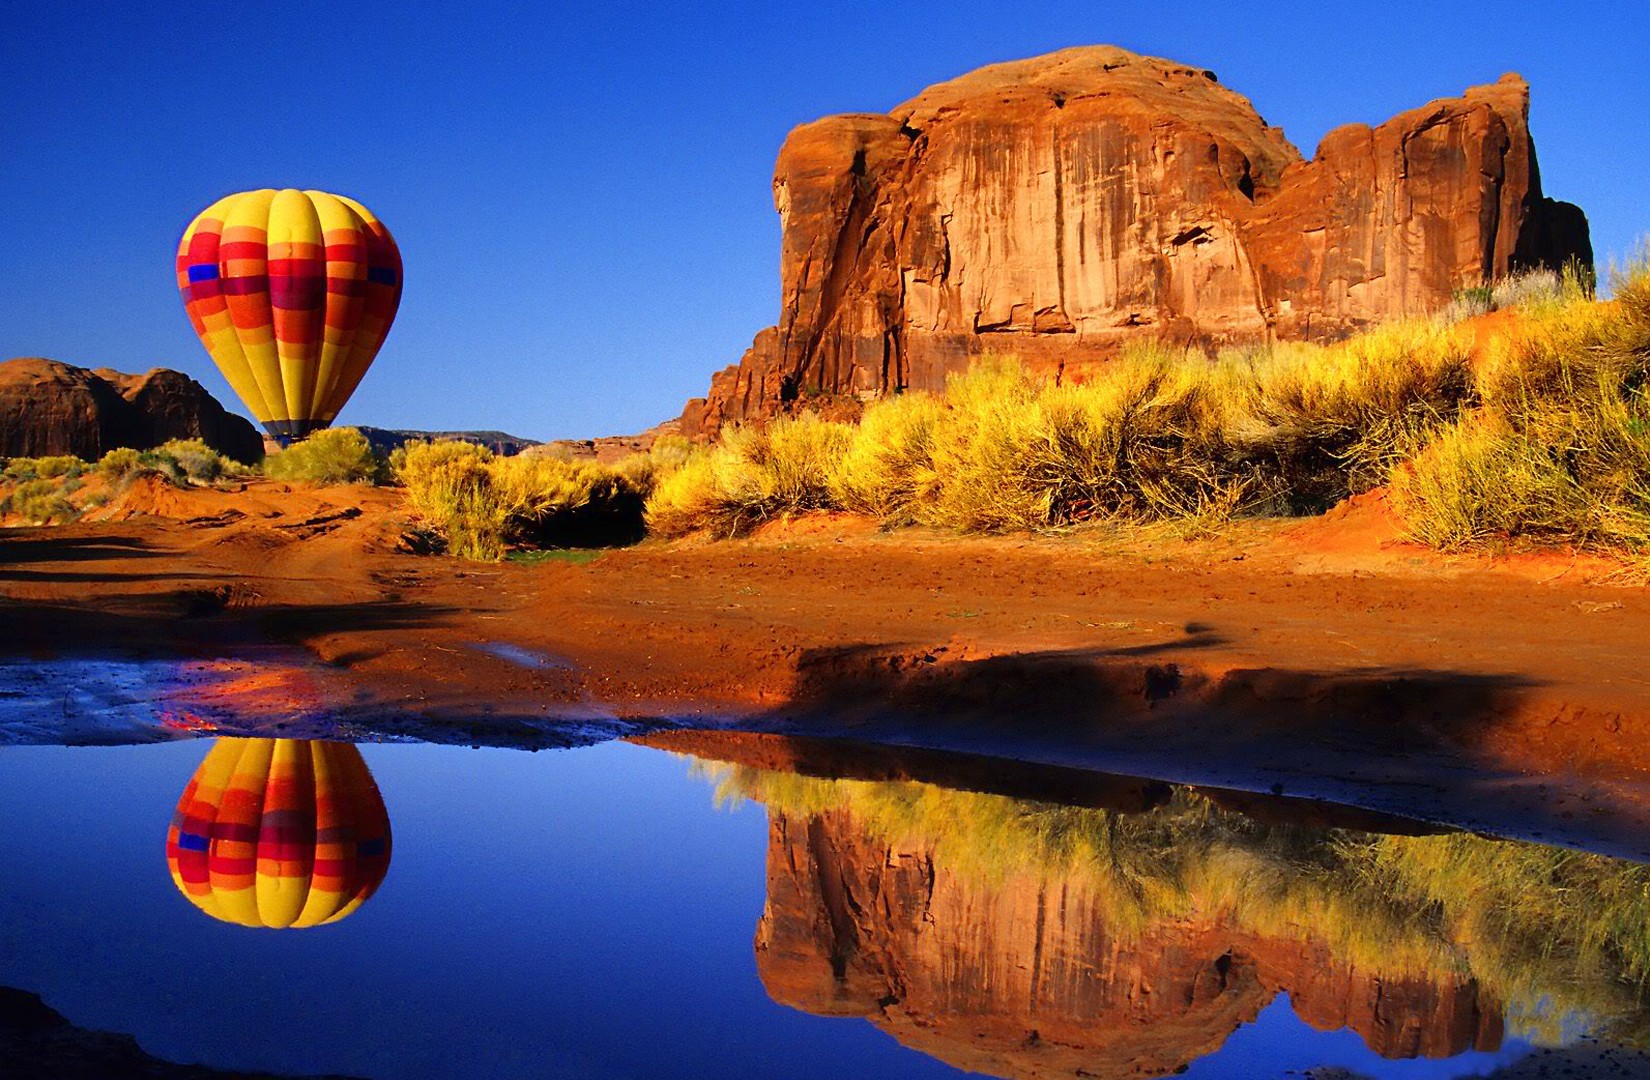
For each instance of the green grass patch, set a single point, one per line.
(573, 556)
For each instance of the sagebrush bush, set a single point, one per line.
(1560, 449)
(64, 465)
(1141, 442)
(1324, 423)
(1156, 435)
(22, 469)
(413, 459)
(752, 475)
(1477, 482)
(197, 462)
(481, 503)
(39, 502)
(120, 464)
(887, 469)
(1533, 288)
(329, 456)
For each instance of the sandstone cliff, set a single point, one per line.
(1059, 206)
(47, 408)
(1030, 976)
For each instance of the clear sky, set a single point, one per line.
(581, 191)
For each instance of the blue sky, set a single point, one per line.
(581, 191)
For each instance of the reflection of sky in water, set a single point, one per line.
(584, 912)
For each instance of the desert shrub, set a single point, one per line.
(887, 469)
(197, 462)
(1156, 435)
(569, 503)
(1016, 452)
(643, 471)
(329, 456)
(50, 468)
(1478, 481)
(22, 469)
(409, 461)
(39, 502)
(752, 475)
(694, 496)
(1532, 289)
(456, 495)
(120, 464)
(1561, 448)
(1468, 303)
(481, 504)
(1323, 423)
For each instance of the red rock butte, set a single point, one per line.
(1057, 207)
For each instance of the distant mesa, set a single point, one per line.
(605, 449)
(1059, 207)
(384, 440)
(49, 408)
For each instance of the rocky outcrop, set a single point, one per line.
(1061, 206)
(49, 408)
(1032, 977)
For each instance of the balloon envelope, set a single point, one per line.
(279, 833)
(292, 292)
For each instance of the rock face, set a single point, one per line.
(1060, 206)
(1028, 977)
(48, 408)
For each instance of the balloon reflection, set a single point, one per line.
(279, 833)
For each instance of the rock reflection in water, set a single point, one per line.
(279, 833)
(1027, 938)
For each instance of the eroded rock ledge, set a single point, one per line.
(1060, 206)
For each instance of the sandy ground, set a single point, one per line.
(1324, 659)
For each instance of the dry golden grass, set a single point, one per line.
(1547, 437)
(330, 456)
(1157, 437)
(482, 504)
(1559, 450)
(752, 475)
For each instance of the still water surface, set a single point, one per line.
(591, 912)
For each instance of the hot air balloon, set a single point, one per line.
(292, 292)
(279, 833)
